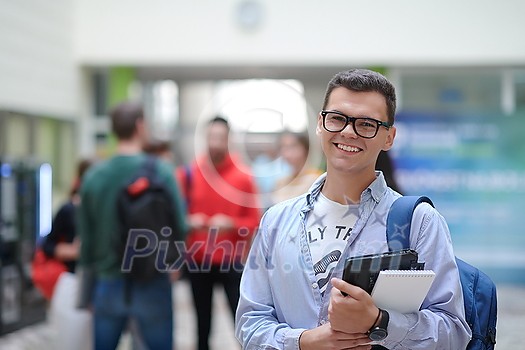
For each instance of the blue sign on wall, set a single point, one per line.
(473, 168)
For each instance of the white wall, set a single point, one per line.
(42, 43)
(308, 32)
(38, 74)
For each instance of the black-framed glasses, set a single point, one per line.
(365, 127)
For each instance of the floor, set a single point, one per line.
(42, 335)
(511, 320)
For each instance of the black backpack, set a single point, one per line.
(479, 291)
(145, 208)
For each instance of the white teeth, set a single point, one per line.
(348, 148)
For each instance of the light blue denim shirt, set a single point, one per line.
(280, 297)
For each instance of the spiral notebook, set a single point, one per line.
(402, 290)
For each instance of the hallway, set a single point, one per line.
(42, 336)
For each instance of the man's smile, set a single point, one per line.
(348, 148)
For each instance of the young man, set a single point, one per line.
(116, 300)
(223, 213)
(291, 288)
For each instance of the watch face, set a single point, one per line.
(377, 334)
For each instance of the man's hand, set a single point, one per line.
(198, 221)
(354, 313)
(175, 276)
(324, 337)
(68, 251)
(221, 222)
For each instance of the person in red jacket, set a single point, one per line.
(223, 214)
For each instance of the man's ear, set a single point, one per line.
(319, 126)
(389, 142)
(141, 128)
(139, 122)
(139, 125)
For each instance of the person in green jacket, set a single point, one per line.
(115, 300)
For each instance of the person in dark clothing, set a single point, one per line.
(61, 243)
(386, 165)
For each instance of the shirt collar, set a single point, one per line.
(375, 191)
(377, 188)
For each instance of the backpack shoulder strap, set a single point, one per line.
(399, 221)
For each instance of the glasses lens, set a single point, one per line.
(334, 122)
(365, 127)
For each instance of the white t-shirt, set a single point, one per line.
(327, 228)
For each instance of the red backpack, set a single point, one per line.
(45, 272)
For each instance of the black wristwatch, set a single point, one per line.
(379, 332)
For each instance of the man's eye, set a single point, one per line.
(337, 118)
(365, 123)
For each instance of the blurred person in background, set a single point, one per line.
(223, 214)
(294, 149)
(71, 325)
(150, 303)
(163, 150)
(386, 166)
(159, 148)
(62, 242)
(269, 167)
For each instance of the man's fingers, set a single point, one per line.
(353, 291)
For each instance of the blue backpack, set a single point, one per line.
(479, 291)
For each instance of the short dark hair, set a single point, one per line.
(124, 119)
(221, 120)
(365, 80)
(156, 147)
(82, 167)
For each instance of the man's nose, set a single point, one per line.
(349, 131)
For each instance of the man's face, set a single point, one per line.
(293, 151)
(345, 151)
(217, 139)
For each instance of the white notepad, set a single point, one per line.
(402, 290)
